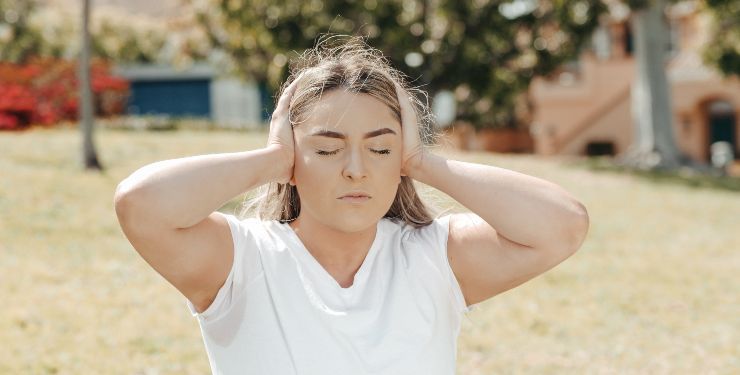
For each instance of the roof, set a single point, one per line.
(140, 72)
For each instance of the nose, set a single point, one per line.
(354, 168)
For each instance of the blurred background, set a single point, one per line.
(631, 105)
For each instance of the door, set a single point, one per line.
(722, 125)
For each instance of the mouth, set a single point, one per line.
(355, 197)
(350, 199)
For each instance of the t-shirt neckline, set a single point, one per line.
(360, 275)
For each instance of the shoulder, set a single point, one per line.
(430, 239)
(429, 244)
(434, 230)
(269, 236)
(242, 226)
(252, 234)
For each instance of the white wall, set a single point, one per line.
(235, 104)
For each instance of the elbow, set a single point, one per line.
(579, 227)
(124, 200)
(121, 203)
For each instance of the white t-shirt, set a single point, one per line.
(280, 312)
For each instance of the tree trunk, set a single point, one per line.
(654, 145)
(90, 157)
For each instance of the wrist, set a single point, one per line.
(280, 164)
(422, 166)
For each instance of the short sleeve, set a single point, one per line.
(435, 236)
(238, 275)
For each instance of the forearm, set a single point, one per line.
(522, 208)
(180, 193)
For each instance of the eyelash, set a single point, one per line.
(326, 153)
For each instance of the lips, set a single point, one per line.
(355, 194)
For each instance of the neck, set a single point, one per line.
(333, 248)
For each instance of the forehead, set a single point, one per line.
(349, 113)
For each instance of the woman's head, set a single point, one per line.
(347, 131)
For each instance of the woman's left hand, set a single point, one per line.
(413, 150)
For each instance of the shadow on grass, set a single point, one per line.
(685, 176)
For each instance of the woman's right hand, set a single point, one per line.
(280, 138)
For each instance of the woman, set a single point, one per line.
(343, 270)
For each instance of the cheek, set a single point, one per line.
(388, 177)
(312, 174)
(393, 167)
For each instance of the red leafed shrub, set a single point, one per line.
(7, 122)
(16, 97)
(45, 92)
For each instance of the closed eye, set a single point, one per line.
(381, 152)
(321, 152)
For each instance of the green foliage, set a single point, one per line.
(30, 30)
(723, 50)
(637, 4)
(127, 43)
(485, 51)
(18, 40)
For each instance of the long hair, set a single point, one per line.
(346, 62)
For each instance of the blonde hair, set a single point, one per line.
(347, 62)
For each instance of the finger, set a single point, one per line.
(284, 101)
(408, 116)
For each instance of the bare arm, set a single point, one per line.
(525, 209)
(520, 226)
(180, 193)
(167, 209)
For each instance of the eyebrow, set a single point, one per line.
(333, 134)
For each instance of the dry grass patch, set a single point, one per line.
(653, 289)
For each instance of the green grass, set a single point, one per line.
(654, 289)
(686, 176)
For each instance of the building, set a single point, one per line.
(586, 109)
(179, 89)
(196, 91)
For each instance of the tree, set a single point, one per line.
(723, 50)
(33, 28)
(18, 40)
(654, 145)
(485, 51)
(89, 155)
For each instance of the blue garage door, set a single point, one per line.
(189, 98)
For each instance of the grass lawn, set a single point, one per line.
(654, 289)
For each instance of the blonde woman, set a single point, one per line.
(342, 269)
